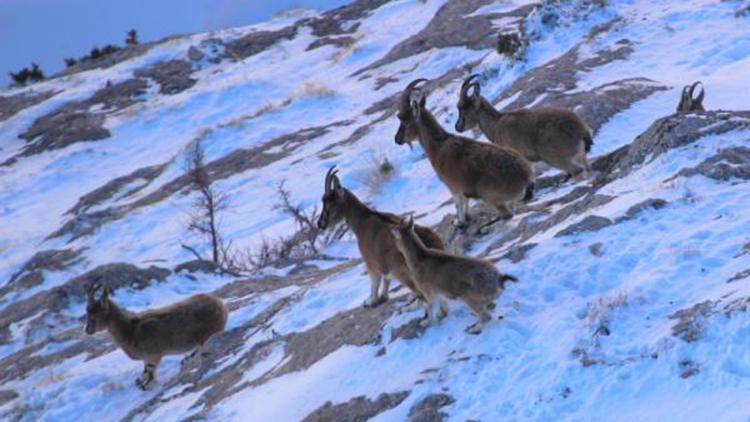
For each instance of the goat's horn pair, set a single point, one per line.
(329, 178)
(468, 84)
(406, 96)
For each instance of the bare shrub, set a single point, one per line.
(209, 203)
(599, 316)
(380, 171)
(305, 243)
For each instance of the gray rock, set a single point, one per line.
(12, 104)
(195, 54)
(727, 164)
(678, 130)
(358, 409)
(454, 26)
(73, 122)
(517, 253)
(114, 188)
(197, 265)
(637, 209)
(591, 223)
(32, 272)
(428, 409)
(173, 76)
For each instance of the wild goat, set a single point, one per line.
(470, 169)
(148, 336)
(439, 274)
(687, 102)
(372, 229)
(556, 136)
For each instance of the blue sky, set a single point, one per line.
(47, 31)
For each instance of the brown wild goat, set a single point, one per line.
(687, 102)
(440, 275)
(148, 336)
(470, 169)
(556, 136)
(372, 229)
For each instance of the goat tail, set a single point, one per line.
(588, 140)
(529, 195)
(505, 278)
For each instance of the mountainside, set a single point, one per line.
(633, 284)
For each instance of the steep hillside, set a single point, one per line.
(633, 293)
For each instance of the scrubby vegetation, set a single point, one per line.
(27, 76)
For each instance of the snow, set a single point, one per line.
(529, 365)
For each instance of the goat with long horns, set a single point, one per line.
(556, 136)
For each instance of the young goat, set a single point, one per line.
(687, 102)
(148, 336)
(470, 169)
(439, 274)
(372, 229)
(556, 136)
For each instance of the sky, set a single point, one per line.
(47, 31)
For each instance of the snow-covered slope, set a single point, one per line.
(633, 285)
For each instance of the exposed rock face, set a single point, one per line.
(114, 188)
(258, 41)
(173, 76)
(358, 409)
(595, 106)
(727, 164)
(74, 122)
(32, 272)
(240, 160)
(428, 410)
(12, 104)
(454, 26)
(590, 223)
(682, 129)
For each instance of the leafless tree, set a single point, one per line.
(204, 216)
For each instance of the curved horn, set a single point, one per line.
(406, 95)
(92, 289)
(477, 89)
(698, 99)
(329, 176)
(467, 83)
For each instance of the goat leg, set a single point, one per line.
(194, 355)
(373, 300)
(147, 376)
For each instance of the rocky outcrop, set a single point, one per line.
(357, 409)
(173, 76)
(12, 104)
(75, 122)
(454, 25)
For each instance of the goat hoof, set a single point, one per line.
(474, 329)
(370, 303)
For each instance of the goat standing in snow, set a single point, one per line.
(372, 229)
(148, 336)
(439, 274)
(470, 169)
(556, 136)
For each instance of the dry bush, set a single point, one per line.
(303, 244)
(600, 312)
(379, 172)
